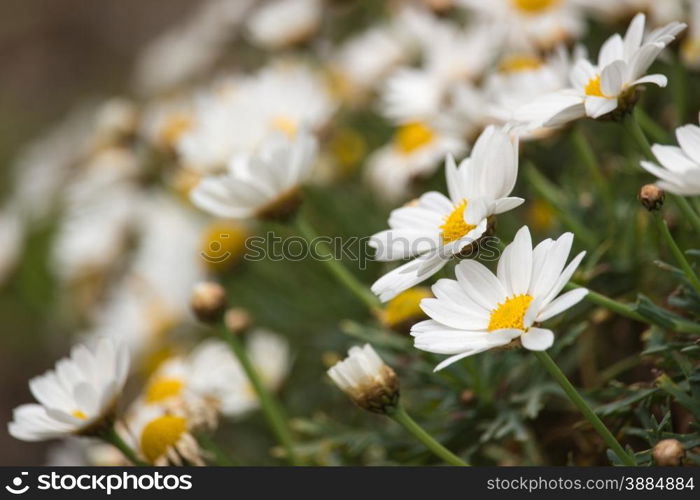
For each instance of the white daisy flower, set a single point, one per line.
(240, 113)
(415, 152)
(437, 227)
(264, 184)
(162, 436)
(532, 23)
(281, 23)
(78, 397)
(597, 90)
(369, 382)
(480, 310)
(679, 172)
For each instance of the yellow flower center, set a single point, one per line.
(592, 88)
(518, 63)
(79, 414)
(405, 306)
(174, 127)
(161, 434)
(163, 388)
(284, 124)
(534, 6)
(510, 314)
(222, 244)
(455, 227)
(413, 136)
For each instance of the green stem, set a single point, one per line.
(403, 418)
(687, 210)
(677, 253)
(588, 158)
(632, 126)
(655, 131)
(554, 197)
(583, 407)
(336, 267)
(271, 408)
(610, 304)
(112, 437)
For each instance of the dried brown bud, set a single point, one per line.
(467, 397)
(669, 452)
(208, 301)
(237, 320)
(651, 196)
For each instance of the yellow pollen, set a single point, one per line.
(534, 6)
(510, 314)
(518, 63)
(161, 434)
(405, 306)
(285, 124)
(593, 87)
(454, 227)
(161, 389)
(223, 243)
(413, 136)
(79, 414)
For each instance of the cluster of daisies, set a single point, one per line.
(158, 193)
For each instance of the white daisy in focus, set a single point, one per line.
(531, 23)
(282, 23)
(597, 90)
(415, 152)
(436, 228)
(78, 397)
(679, 172)
(479, 310)
(263, 185)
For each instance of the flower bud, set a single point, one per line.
(668, 452)
(370, 383)
(651, 196)
(237, 320)
(208, 301)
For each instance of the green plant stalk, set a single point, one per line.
(687, 210)
(553, 196)
(271, 408)
(649, 126)
(400, 416)
(336, 268)
(633, 128)
(588, 158)
(583, 407)
(677, 253)
(112, 437)
(610, 304)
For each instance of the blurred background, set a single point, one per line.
(57, 53)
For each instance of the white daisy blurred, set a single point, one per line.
(679, 171)
(480, 310)
(415, 152)
(78, 397)
(282, 23)
(12, 230)
(262, 184)
(531, 23)
(436, 228)
(597, 90)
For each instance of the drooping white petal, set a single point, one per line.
(537, 339)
